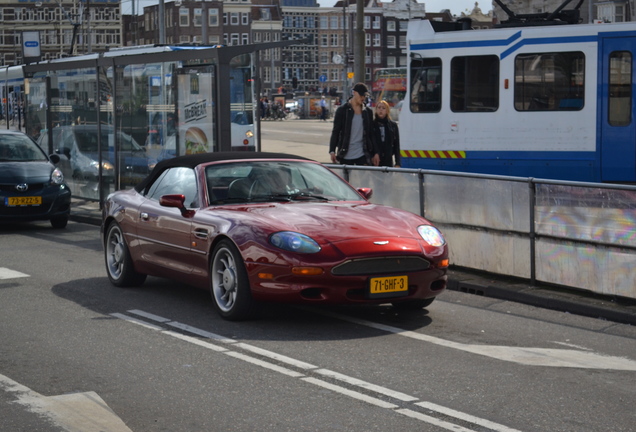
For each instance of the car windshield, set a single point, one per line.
(266, 181)
(19, 148)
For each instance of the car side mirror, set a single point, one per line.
(65, 151)
(54, 158)
(367, 193)
(176, 201)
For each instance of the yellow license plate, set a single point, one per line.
(24, 201)
(391, 286)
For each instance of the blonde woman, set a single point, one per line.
(386, 135)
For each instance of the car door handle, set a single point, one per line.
(144, 216)
(201, 233)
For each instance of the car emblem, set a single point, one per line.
(22, 187)
(381, 242)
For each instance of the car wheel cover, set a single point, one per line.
(224, 279)
(115, 251)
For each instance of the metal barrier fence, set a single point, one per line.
(572, 234)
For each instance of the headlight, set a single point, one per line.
(57, 177)
(294, 242)
(431, 235)
(249, 134)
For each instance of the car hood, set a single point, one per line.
(332, 222)
(25, 172)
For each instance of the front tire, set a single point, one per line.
(119, 265)
(59, 222)
(229, 284)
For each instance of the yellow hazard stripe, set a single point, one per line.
(434, 154)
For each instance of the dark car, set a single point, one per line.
(80, 147)
(31, 187)
(254, 227)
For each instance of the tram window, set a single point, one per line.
(620, 89)
(475, 84)
(550, 81)
(426, 85)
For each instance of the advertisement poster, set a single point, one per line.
(195, 115)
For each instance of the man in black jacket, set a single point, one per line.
(352, 142)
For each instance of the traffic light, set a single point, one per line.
(294, 83)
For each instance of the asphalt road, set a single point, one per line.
(80, 354)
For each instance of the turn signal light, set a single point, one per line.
(266, 276)
(443, 263)
(307, 271)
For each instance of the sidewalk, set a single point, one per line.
(483, 284)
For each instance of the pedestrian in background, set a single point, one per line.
(323, 109)
(352, 138)
(387, 135)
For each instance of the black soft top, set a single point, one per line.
(191, 161)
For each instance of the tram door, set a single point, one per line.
(618, 109)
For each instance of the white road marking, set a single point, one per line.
(547, 357)
(324, 372)
(466, 417)
(275, 356)
(350, 393)
(264, 364)
(6, 273)
(75, 412)
(363, 384)
(432, 420)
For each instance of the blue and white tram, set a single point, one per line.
(555, 102)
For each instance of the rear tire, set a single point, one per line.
(119, 265)
(229, 284)
(413, 305)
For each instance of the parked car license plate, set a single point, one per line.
(392, 286)
(24, 201)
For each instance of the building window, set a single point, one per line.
(403, 41)
(376, 22)
(367, 22)
(245, 18)
(257, 37)
(213, 17)
(334, 22)
(184, 17)
(224, 19)
(377, 57)
(367, 39)
(324, 40)
(376, 39)
(334, 39)
(245, 39)
(184, 39)
(390, 26)
(367, 56)
(390, 42)
(390, 62)
(404, 25)
(324, 58)
(234, 39)
(214, 39)
(324, 22)
(197, 19)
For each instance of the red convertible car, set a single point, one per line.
(255, 227)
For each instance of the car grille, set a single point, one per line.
(384, 265)
(33, 188)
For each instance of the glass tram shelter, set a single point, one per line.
(113, 116)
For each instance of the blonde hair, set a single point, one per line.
(387, 106)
